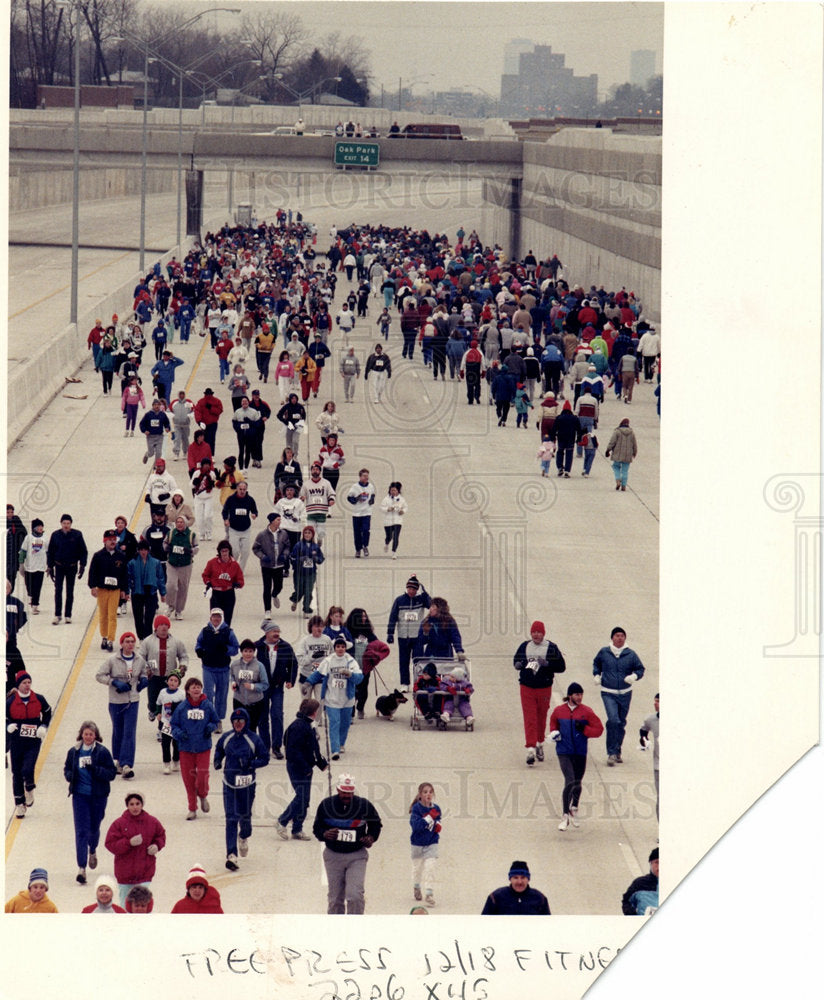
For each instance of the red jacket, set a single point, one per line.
(209, 904)
(134, 864)
(93, 906)
(208, 410)
(223, 576)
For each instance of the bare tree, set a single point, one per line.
(275, 38)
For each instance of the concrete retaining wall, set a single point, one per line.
(593, 198)
(31, 188)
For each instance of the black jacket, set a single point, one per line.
(300, 741)
(102, 768)
(66, 549)
(108, 565)
(286, 664)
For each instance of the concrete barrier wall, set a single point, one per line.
(593, 198)
(32, 188)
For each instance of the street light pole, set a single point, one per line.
(76, 182)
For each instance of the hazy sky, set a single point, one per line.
(458, 44)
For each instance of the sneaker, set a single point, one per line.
(92, 860)
(361, 715)
(394, 555)
(342, 750)
(191, 814)
(301, 836)
(417, 893)
(118, 768)
(294, 607)
(335, 756)
(67, 620)
(276, 601)
(357, 553)
(231, 863)
(152, 715)
(277, 753)
(20, 811)
(204, 804)
(282, 832)
(430, 899)
(573, 816)
(386, 548)
(104, 644)
(242, 846)
(128, 774)
(145, 458)
(110, 646)
(35, 609)
(618, 758)
(445, 717)
(539, 751)
(612, 760)
(80, 878)
(29, 798)
(365, 552)
(530, 756)
(178, 616)
(564, 824)
(175, 765)
(158, 737)
(167, 768)
(56, 620)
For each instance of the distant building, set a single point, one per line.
(641, 67)
(545, 87)
(512, 53)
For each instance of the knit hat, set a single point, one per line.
(567, 405)
(653, 854)
(271, 516)
(458, 673)
(134, 794)
(617, 629)
(37, 523)
(267, 625)
(346, 783)
(160, 620)
(22, 675)
(239, 713)
(537, 626)
(574, 688)
(174, 673)
(519, 868)
(39, 875)
(196, 876)
(107, 880)
(126, 635)
(413, 582)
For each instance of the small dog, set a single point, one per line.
(387, 704)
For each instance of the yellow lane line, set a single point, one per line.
(63, 288)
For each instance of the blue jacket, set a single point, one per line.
(164, 371)
(422, 835)
(576, 726)
(193, 725)
(240, 753)
(216, 647)
(154, 423)
(437, 640)
(613, 670)
(145, 578)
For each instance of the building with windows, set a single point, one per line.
(545, 87)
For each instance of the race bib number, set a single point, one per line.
(109, 581)
(28, 730)
(338, 683)
(224, 576)
(195, 714)
(240, 511)
(177, 550)
(166, 729)
(84, 762)
(308, 563)
(11, 608)
(245, 675)
(347, 836)
(410, 616)
(243, 780)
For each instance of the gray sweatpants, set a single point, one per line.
(346, 874)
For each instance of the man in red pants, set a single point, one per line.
(537, 661)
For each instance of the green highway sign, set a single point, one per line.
(357, 154)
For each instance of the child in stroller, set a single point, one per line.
(457, 688)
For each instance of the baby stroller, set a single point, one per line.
(437, 694)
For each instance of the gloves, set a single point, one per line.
(430, 823)
(11, 727)
(142, 683)
(461, 657)
(555, 735)
(597, 679)
(152, 849)
(41, 732)
(121, 686)
(631, 678)
(390, 639)
(136, 840)
(291, 426)
(218, 765)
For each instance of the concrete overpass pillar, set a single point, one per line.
(515, 217)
